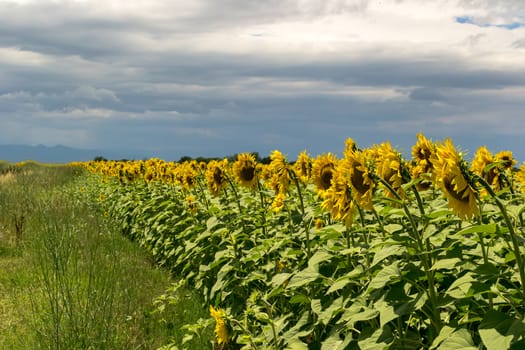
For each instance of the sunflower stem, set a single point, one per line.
(238, 200)
(510, 226)
(203, 195)
(379, 221)
(303, 212)
(426, 261)
(263, 219)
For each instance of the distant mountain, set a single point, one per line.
(55, 154)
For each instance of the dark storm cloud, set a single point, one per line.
(187, 78)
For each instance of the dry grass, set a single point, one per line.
(7, 178)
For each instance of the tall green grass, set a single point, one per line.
(69, 280)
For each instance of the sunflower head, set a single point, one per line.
(484, 165)
(244, 170)
(389, 166)
(422, 154)
(216, 177)
(481, 160)
(278, 202)
(350, 146)
(357, 170)
(451, 175)
(337, 200)
(189, 175)
(506, 159)
(322, 171)
(190, 204)
(279, 173)
(303, 167)
(423, 150)
(221, 330)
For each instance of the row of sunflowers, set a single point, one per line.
(366, 251)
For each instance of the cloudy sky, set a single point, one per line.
(217, 77)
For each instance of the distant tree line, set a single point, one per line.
(231, 158)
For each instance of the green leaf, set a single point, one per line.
(460, 287)
(339, 284)
(302, 278)
(486, 228)
(446, 264)
(327, 314)
(387, 252)
(355, 314)
(378, 340)
(458, 340)
(446, 331)
(318, 257)
(498, 330)
(280, 278)
(334, 341)
(384, 277)
(316, 306)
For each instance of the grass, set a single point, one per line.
(69, 280)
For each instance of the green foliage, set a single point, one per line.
(71, 280)
(408, 275)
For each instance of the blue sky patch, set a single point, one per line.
(470, 20)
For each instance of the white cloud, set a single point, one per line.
(17, 57)
(212, 68)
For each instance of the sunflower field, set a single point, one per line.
(366, 250)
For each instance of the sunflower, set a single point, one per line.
(350, 146)
(279, 173)
(422, 153)
(484, 165)
(506, 159)
(338, 199)
(322, 172)
(303, 167)
(356, 169)
(190, 204)
(449, 175)
(244, 170)
(221, 331)
(189, 175)
(278, 202)
(423, 150)
(388, 166)
(216, 177)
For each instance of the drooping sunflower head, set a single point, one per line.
(322, 171)
(337, 200)
(388, 166)
(423, 150)
(350, 146)
(506, 159)
(484, 165)
(191, 204)
(244, 170)
(279, 172)
(481, 160)
(221, 330)
(357, 169)
(278, 202)
(451, 175)
(303, 167)
(278, 162)
(189, 175)
(216, 176)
